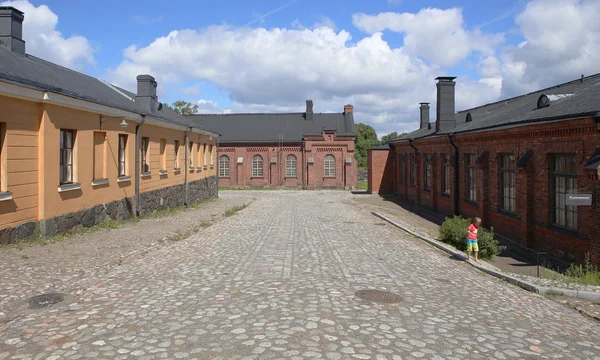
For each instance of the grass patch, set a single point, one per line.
(553, 294)
(362, 185)
(205, 224)
(234, 210)
(25, 257)
(180, 235)
(584, 274)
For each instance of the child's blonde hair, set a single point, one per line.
(476, 220)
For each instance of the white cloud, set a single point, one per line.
(43, 40)
(435, 34)
(562, 41)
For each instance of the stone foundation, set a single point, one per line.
(119, 210)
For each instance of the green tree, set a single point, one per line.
(366, 138)
(184, 107)
(389, 137)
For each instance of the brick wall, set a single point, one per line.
(531, 223)
(381, 169)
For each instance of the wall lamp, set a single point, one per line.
(103, 118)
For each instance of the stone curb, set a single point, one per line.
(586, 295)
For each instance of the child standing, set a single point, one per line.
(472, 239)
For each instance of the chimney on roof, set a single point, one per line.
(348, 108)
(309, 111)
(11, 29)
(424, 115)
(445, 103)
(146, 92)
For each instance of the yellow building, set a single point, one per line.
(75, 150)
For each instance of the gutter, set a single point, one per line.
(137, 166)
(456, 174)
(185, 180)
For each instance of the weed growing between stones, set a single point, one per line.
(234, 210)
(553, 294)
(180, 235)
(205, 224)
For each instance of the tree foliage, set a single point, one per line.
(366, 138)
(389, 137)
(184, 107)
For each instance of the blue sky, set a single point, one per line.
(381, 55)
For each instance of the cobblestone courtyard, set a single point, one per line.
(277, 281)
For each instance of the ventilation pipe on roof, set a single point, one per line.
(424, 115)
(445, 104)
(309, 110)
(11, 29)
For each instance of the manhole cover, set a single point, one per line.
(379, 296)
(45, 300)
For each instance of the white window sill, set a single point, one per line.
(146, 174)
(163, 172)
(198, 169)
(211, 166)
(177, 170)
(5, 196)
(205, 167)
(122, 179)
(192, 169)
(99, 182)
(69, 187)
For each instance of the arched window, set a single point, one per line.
(257, 166)
(290, 166)
(329, 166)
(224, 166)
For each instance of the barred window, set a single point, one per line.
(507, 182)
(290, 166)
(224, 166)
(412, 169)
(563, 182)
(257, 166)
(427, 172)
(445, 174)
(471, 177)
(329, 166)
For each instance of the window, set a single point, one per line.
(507, 182)
(176, 159)
(471, 187)
(199, 153)
(445, 174)
(145, 164)
(223, 166)
(66, 157)
(99, 151)
(401, 169)
(427, 172)
(257, 166)
(412, 169)
(290, 166)
(191, 156)
(210, 151)
(329, 166)
(163, 154)
(122, 145)
(563, 182)
(204, 153)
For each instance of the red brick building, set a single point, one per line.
(293, 150)
(513, 163)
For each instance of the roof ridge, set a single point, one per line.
(528, 94)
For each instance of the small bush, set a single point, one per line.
(454, 232)
(587, 274)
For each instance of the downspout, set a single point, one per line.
(218, 161)
(456, 175)
(186, 167)
(137, 166)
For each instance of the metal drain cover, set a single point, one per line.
(379, 296)
(45, 300)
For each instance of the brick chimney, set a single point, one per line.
(146, 92)
(424, 116)
(11, 29)
(445, 103)
(309, 110)
(348, 108)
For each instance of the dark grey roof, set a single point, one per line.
(574, 99)
(35, 73)
(262, 128)
(385, 146)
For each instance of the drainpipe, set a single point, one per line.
(456, 175)
(303, 164)
(138, 208)
(218, 161)
(185, 180)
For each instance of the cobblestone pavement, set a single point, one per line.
(277, 281)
